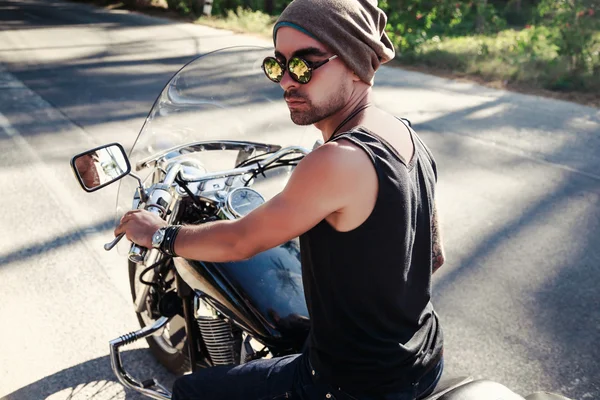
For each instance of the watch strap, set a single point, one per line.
(168, 244)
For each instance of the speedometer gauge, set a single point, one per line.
(243, 200)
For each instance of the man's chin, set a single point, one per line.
(302, 119)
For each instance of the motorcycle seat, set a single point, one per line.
(545, 396)
(479, 390)
(447, 384)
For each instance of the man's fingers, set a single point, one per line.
(129, 215)
(120, 229)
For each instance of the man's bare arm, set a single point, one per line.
(437, 249)
(324, 182)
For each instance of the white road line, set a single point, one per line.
(8, 128)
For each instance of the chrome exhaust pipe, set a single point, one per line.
(150, 388)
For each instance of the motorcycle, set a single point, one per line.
(218, 143)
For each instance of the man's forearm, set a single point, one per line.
(437, 250)
(219, 241)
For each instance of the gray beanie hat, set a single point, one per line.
(352, 29)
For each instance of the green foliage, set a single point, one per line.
(576, 23)
(183, 7)
(412, 23)
(517, 13)
(528, 56)
(248, 20)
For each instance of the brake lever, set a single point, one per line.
(136, 253)
(108, 246)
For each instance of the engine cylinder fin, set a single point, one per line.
(218, 338)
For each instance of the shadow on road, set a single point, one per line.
(94, 92)
(38, 249)
(530, 259)
(95, 379)
(45, 14)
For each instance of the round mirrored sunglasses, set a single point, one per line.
(299, 69)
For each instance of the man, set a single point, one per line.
(87, 166)
(363, 206)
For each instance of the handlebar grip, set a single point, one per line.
(160, 194)
(137, 254)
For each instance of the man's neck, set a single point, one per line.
(328, 125)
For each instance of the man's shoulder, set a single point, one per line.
(350, 161)
(343, 154)
(338, 163)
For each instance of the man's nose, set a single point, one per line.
(287, 82)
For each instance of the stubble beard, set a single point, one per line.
(311, 114)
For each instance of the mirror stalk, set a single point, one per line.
(143, 194)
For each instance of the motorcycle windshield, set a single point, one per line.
(222, 95)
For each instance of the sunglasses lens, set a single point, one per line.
(299, 70)
(272, 69)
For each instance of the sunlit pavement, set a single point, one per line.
(518, 193)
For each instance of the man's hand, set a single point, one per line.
(139, 226)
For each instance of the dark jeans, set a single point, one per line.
(287, 377)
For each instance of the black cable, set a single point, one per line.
(189, 192)
(248, 160)
(261, 156)
(256, 159)
(144, 272)
(263, 170)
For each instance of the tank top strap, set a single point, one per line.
(422, 147)
(357, 133)
(378, 145)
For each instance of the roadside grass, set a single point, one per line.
(242, 21)
(524, 57)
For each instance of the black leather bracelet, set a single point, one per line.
(168, 244)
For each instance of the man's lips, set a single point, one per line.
(294, 101)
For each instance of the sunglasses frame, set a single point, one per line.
(285, 67)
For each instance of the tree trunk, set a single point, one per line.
(270, 6)
(480, 21)
(197, 7)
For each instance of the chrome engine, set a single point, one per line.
(217, 334)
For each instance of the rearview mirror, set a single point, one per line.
(101, 166)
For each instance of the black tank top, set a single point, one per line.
(368, 290)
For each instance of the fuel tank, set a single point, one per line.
(263, 294)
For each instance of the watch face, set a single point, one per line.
(158, 238)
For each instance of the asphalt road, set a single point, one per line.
(519, 190)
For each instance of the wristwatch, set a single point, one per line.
(158, 237)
